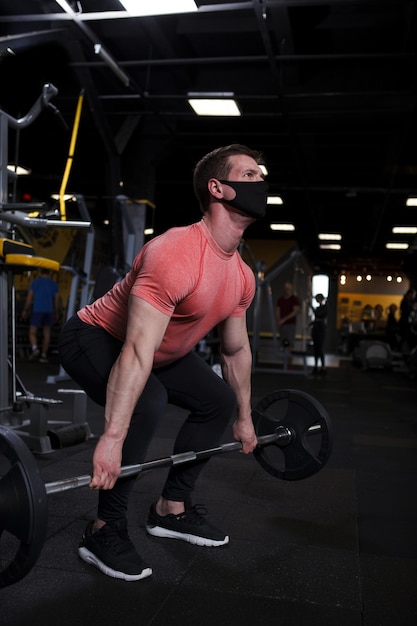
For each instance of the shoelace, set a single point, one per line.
(195, 515)
(118, 539)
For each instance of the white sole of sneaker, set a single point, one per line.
(158, 531)
(91, 558)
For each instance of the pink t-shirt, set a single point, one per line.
(186, 275)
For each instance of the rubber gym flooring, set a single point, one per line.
(338, 548)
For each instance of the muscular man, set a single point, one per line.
(132, 352)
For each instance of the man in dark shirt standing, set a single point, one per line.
(288, 307)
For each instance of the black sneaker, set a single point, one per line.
(112, 552)
(189, 526)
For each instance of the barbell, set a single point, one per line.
(284, 421)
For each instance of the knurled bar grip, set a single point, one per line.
(282, 436)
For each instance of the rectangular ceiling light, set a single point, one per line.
(65, 6)
(139, 8)
(274, 200)
(330, 246)
(330, 236)
(404, 230)
(282, 227)
(396, 246)
(215, 106)
(411, 202)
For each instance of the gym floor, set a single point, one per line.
(338, 548)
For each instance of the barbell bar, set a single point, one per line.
(281, 436)
(283, 420)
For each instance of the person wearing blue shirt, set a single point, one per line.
(43, 296)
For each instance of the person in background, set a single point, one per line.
(43, 298)
(412, 321)
(392, 329)
(344, 334)
(406, 307)
(318, 334)
(288, 307)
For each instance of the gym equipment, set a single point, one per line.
(15, 257)
(373, 354)
(298, 414)
(7, 122)
(18, 257)
(69, 435)
(284, 421)
(81, 283)
(277, 357)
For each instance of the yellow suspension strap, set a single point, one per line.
(68, 166)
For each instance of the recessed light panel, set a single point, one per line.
(158, 7)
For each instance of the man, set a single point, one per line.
(132, 352)
(406, 308)
(43, 296)
(318, 333)
(288, 307)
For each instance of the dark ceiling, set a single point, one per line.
(327, 91)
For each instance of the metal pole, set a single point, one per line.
(4, 295)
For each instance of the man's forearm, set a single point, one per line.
(125, 385)
(237, 371)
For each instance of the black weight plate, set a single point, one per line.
(23, 508)
(301, 454)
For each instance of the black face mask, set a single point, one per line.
(250, 198)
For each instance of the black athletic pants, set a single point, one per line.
(87, 353)
(318, 335)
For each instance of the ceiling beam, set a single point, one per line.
(211, 8)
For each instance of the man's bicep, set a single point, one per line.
(146, 324)
(233, 334)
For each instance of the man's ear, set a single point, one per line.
(215, 188)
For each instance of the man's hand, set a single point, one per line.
(244, 432)
(107, 461)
